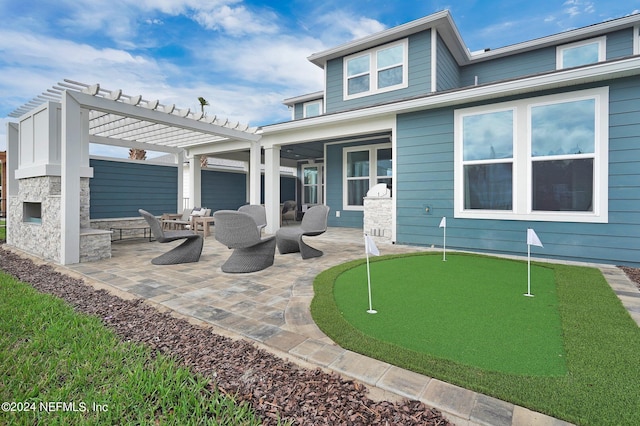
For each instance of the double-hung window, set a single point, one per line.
(581, 53)
(312, 186)
(376, 71)
(364, 167)
(543, 159)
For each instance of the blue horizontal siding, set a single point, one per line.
(620, 44)
(425, 178)
(119, 189)
(534, 62)
(223, 190)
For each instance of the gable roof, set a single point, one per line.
(443, 23)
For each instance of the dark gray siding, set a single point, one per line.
(425, 178)
(223, 190)
(119, 189)
(520, 65)
(448, 72)
(620, 44)
(419, 78)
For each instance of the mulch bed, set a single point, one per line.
(633, 274)
(276, 389)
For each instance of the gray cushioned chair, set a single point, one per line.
(187, 252)
(314, 222)
(257, 212)
(238, 231)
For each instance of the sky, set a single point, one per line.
(245, 57)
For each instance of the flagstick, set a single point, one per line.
(529, 271)
(444, 245)
(371, 310)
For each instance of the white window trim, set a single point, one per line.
(306, 104)
(636, 40)
(602, 49)
(522, 161)
(373, 71)
(373, 178)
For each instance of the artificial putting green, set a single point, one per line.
(468, 309)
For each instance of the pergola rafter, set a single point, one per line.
(121, 118)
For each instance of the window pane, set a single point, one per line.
(311, 110)
(358, 65)
(357, 190)
(564, 185)
(310, 175)
(311, 194)
(488, 136)
(488, 186)
(390, 77)
(580, 55)
(390, 56)
(564, 128)
(384, 162)
(358, 164)
(358, 84)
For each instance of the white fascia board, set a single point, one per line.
(141, 113)
(552, 80)
(217, 148)
(304, 98)
(333, 128)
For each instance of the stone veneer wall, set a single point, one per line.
(44, 239)
(40, 239)
(377, 218)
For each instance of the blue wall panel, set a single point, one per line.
(520, 65)
(223, 190)
(425, 178)
(620, 44)
(448, 72)
(119, 189)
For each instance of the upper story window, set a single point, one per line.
(377, 70)
(543, 159)
(311, 109)
(581, 53)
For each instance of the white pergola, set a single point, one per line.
(91, 114)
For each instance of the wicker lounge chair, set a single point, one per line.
(257, 212)
(314, 222)
(238, 231)
(187, 252)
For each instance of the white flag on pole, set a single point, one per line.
(443, 222)
(532, 238)
(370, 246)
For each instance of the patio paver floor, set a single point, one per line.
(271, 307)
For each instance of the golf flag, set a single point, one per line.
(443, 224)
(532, 238)
(370, 246)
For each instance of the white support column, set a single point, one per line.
(255, 161)
(195, 182)
(272, 188)
(180, 160)
(71, 161)
(10, 187)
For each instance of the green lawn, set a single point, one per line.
(462, 314)
(3, 230)
(61, 367)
